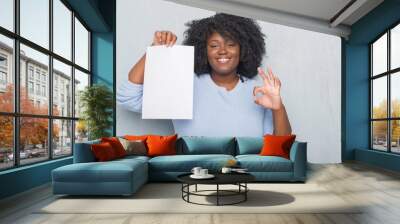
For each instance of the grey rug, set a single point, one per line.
(166, 198)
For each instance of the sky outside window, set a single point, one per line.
(379, 56)
(81, 45)
(62, 29)
(395, 47)
(35, 21)
(7, 13)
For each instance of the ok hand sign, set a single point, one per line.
(270, 91)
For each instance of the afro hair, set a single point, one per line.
(244, 31)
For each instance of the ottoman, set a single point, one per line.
(118, 177)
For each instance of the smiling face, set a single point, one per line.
(223, 55)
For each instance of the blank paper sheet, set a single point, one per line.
(168, 83)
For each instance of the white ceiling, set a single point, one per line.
(315, 15)
(320, 9)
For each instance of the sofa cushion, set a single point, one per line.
(195, 145)
(277, 145)
(249, 145)
(185, 163)
(159, 145)
(116, 145)
(134, 147)
(257, 163)
(103, 152)
(111, 171)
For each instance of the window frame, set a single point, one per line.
(388, 74)
(16, 115)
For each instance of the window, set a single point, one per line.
(62, 76)
(3, 61)
(81, 81)
(30, 87)
(81, 45)
(6, 89)
(385, 91)
(54, 125)
(3, 78)
(3, 71)
(30, 73)
(62, 140)
(37, 75)
(62, 29)
(34, 22)
(43, 90)
(6, 143)
(38, 89)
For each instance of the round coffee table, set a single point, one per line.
(238, 179)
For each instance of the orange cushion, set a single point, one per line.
(116, 145)
(103, 151)
(277, 145)
(161, 145)
(136, 137)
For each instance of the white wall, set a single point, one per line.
(308, 64)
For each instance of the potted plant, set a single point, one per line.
(96, 102)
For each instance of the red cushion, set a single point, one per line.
(116, 145)
(103, 151)
(161, 145)
(277, 145)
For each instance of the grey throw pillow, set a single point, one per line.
(137, 148)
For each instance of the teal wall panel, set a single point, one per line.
(380, 159)
(102, 58)
(357, 102)
(24, 178)
(357, 99)
(103, 63)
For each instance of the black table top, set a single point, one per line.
(220, 178)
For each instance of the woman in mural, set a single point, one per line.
(229, 98)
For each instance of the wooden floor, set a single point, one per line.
(378, 188)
